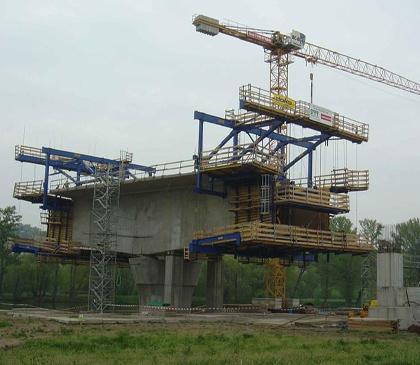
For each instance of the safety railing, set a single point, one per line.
(28, 188)
(344, 179)
(290, 236)
(36, 152)
(48, 218)
(302, 110)
(245, 154)
(28, 151)
(314, 197)
(246, 118)
(169, 169)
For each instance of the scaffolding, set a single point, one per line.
(106, 194)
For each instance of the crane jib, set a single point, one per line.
(296, 44)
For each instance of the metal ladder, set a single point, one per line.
(265, 194)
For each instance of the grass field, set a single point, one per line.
(38, 342)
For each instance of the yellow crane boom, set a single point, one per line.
(278, 45)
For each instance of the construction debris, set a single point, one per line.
(373, 324)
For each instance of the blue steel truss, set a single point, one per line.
(265, 130)
(63, 162)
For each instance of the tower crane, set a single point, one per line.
(279, 49)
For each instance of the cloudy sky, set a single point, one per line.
(100, 76)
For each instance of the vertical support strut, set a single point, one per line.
(275, 280)
(310, 169)
(46, 177)
(106, 194)
(200, 155)
(278, 60)
(235, 143)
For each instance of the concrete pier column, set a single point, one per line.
(173, 273)
(181, 278)
(390, 279)
(148, 274)
(390, 270)
(168, 280)
(396, 302)
(215, 282)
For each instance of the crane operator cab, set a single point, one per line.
(290, 42)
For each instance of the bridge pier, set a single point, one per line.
(168, 280)
(215, 282)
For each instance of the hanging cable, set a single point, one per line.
(301, 164)
(357, 202)
(320, 160)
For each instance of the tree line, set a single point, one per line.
(332, 280)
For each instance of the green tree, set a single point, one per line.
(371, 229)
(407, 236)
(9, 221)
(242, 281)
(345, 269)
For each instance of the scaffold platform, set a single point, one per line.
(318, 199)
(344, 180)
(261, 101)
(240, 159)
(63, 252)
(30, 191)
(246, 202)
(273, 240)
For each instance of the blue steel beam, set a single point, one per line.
(250, 129)
(323, 138)
(206, 245)
(267, 133)
(222, 143)
(199, 176)
(94, 159)
(310, 168)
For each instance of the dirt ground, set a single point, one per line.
(52, 337)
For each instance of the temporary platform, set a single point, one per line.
(305, 114)
(275, 240)
(276, 215)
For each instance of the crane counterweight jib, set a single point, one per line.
(206, 25)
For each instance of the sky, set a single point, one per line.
(101, 76)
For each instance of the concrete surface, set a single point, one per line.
(396, 302)
(214, 298)
(156, 217)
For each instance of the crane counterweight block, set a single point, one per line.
(206, 25)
